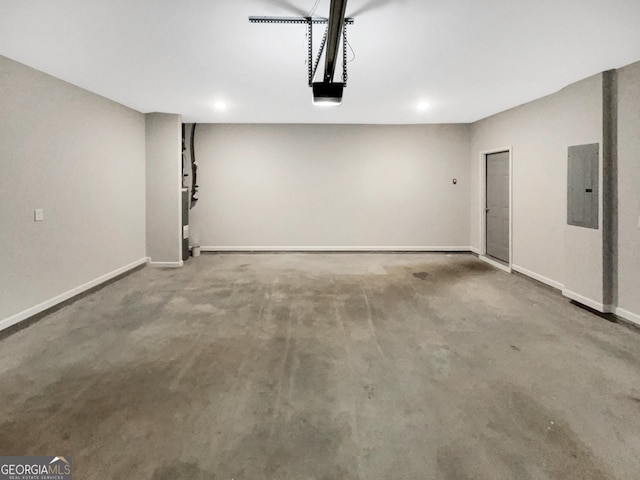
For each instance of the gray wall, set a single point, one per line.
(328, 186)
(540, 132)
(629, 190)
(164, 183)
(81, 158)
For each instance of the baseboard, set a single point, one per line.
(331, 249)
(599, 306)
(498, 265)
(52, 302)
(166, 264)
(627, 315)
(538, 277)
(475, 250)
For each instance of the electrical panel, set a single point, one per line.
(583, 185)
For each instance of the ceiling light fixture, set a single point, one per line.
(422, 106)
(220, 105)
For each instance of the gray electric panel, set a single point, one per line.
(583, 185)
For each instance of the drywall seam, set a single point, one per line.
(166, 264)
(587, 301)
(627, 315)
(52, 302)
(538, 277)
(331, 249)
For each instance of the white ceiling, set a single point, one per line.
(467, 58)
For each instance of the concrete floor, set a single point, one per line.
(371, 366)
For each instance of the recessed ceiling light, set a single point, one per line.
(220, 105)
(422, 106)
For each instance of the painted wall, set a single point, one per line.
(540, 133)
(81, 158)
(629, 190)
(331, 186)
(164, 183)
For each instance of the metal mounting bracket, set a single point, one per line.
(312, 66)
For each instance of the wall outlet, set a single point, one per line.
(38, 215)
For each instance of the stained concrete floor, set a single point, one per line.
(248, 367)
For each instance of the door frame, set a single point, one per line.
(483, 214)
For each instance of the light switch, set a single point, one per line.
(38, 215)
(638, 222)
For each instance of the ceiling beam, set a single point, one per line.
(337, 12)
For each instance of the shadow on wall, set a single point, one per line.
(373, 5)
(290, 7)
(367, 7)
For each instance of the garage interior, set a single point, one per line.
(438, 278)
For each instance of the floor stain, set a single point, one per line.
(620, 352)
(453, 464)
(520, 422)
(369, 390)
